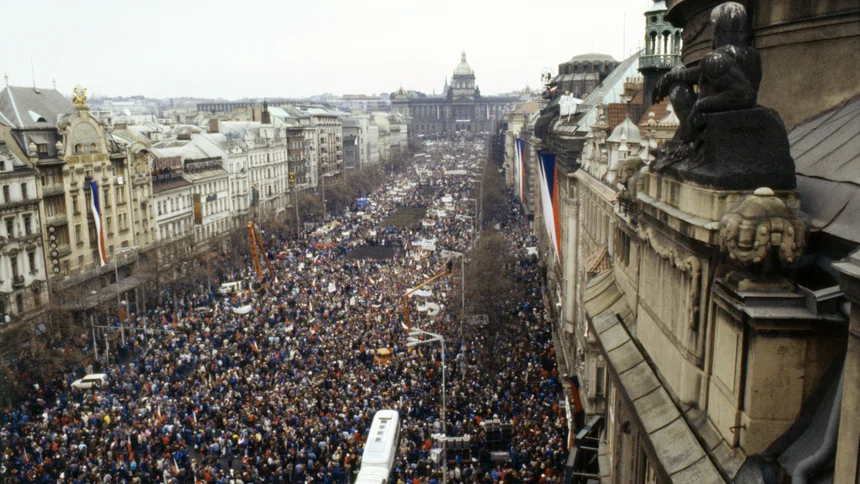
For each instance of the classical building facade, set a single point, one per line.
(74, 153)
(691, 359)
(461, 107)
(23, 288)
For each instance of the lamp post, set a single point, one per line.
(116, 253)
(412, 342)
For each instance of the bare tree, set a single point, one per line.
(489, 288)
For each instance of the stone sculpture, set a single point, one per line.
(724, 139)
(761, 236)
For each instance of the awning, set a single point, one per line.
(678, 452)
(40, 138)
(106, 294)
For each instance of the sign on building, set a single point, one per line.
(198, 209)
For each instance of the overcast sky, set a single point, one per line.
(293, 48)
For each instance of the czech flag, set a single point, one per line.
(95, 206)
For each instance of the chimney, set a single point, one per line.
(213, 125)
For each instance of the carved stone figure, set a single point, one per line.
(761, 235)
(728, 78)
(724, 140)
(628, 167)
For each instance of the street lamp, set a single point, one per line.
(412, 342)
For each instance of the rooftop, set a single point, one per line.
(826, 152)
(32, 108)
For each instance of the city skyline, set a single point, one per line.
(184, 50)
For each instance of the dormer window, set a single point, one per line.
(42, 149)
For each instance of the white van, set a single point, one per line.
(94, 380)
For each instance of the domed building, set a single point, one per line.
(460, 108)
(583, 73)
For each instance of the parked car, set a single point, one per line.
(94, 380)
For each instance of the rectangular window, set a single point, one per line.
(27, 229)
(42, 149)
(106, 196)
(24, 194)
(5, 193)
(13, 261)
(10, 227)
(31, 257)
(109, 225)
(600, 381)
(92, 233)
(75, 209)
(79, 234)
(62, 236)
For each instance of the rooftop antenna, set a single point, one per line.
(33, 73)
(6, 77)
(54, 80)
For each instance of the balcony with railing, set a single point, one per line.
(56, 220)
(52, 190)
(659, 61)
(18, 280)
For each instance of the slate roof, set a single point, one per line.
(593, 57)
(826, 151)
(21, 107)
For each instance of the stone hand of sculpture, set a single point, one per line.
(684, 75)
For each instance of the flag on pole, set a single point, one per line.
(95, 206)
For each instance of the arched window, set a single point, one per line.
(92, 148)
(78, 149)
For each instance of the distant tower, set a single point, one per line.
(265, 118)
(662, 47)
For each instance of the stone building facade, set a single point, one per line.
(693, 362)
(461, 107)
(23, 288)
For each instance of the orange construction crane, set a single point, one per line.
(407, 324)
(258, 251)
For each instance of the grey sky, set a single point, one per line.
(251, 48)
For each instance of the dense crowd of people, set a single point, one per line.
(286, 392)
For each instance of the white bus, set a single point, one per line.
(380, 449)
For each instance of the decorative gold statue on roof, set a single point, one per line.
(80, 99)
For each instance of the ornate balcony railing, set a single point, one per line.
(660, 61)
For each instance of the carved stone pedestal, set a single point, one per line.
(736, 150)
